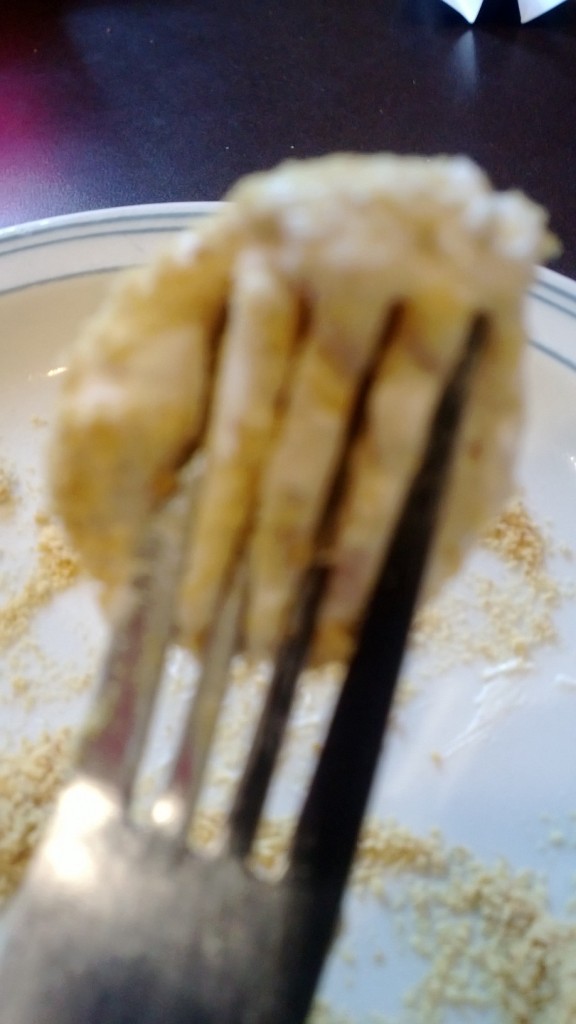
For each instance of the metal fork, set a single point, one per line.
(123, 924)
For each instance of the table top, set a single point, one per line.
(106, 104)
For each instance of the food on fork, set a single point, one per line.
(250, 336)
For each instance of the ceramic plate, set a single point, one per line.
(482, 747)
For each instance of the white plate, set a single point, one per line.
(481, 756)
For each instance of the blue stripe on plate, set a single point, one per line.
(14, 235)
(537, 345)
(6, 250)
(556, 290)
(570, 312)
(545, 350)
(123, 224)
(62, 277)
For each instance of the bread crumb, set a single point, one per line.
(7, 488)
(502, 618)
(516, 538)
(29, 782)
(56, 569)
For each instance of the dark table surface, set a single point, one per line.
(135, 101)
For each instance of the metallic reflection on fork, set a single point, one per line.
(117, 923)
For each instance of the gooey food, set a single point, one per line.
(250, 336)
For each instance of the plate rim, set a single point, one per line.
(147, 211)
(549, 286)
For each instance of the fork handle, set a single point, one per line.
(190, 942)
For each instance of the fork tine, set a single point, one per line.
(253, 787)
(174, 809)
(325, 838)
(293, 650)
(117, 729)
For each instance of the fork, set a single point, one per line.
(118, 923)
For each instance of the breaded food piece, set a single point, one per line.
(260, 323)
